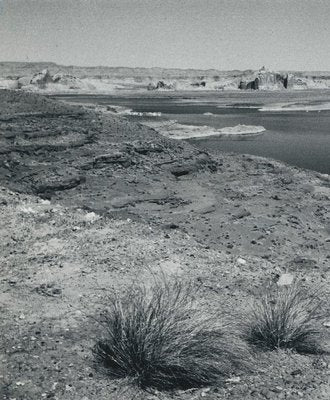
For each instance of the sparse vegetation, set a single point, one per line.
(158, 338)
(289, 318)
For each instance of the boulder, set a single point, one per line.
(56, 184)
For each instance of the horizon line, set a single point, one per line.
(158, 67)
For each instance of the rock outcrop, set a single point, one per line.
(265, 79)
(41, 78)
(46, 81)
(68, 80)
(161, 85)
(199, 84)
(23, 81)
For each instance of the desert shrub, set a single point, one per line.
(158, 338)
(288, 318)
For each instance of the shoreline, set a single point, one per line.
(282, 128)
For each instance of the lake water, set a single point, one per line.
(300, 137)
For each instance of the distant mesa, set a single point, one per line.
(263, 79)
(52, 78)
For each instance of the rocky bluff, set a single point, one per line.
(265, 79)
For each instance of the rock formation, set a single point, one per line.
(68, 80)
(41, 78)
(265, 79)
(160, 85)
(199, 84)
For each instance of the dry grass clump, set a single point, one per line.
(158, 338)
(287, 319)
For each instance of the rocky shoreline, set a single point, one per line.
(91, 201)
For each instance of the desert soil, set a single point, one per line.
(91, 202)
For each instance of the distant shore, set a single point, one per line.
(52, 78)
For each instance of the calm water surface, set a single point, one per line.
(299, 138)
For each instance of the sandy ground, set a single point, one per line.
(91, 202)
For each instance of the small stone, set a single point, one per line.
(91, 217)
(296, 372)
(44, 202)
(172, 226)
(266, 393)
(285, 280)
(242, 214)
(326, 324)
(241, 261)
(204, 392)
(234, 379)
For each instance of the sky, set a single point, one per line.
(202, 34)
